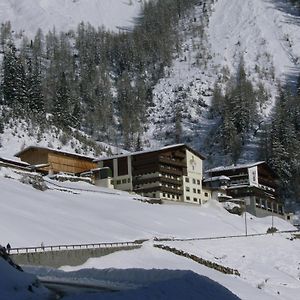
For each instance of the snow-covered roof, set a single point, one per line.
(235, 167)
(151, 150)
(13, 162)
(215, 178)
(53, 150)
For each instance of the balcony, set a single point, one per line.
(141, 180)
(171, 161)
(164, 189)
(179, 154)
(170, 170)
(239, 182)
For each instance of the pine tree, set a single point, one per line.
(61, 103)
(9, 76)
(34, 90)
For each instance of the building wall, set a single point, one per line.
(35, 157)
(68, 164)
(123, 183)
(192, 183)
(58, 162)
(106, 182)
(161, 174)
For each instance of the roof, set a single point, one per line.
(222, 177)
(55, 151)
(14, 163)
(235, 167)
(153, 150)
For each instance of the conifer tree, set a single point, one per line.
(9, 76)
(61, 103)
(34, 90)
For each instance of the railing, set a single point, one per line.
(41, 248)
(221, 237)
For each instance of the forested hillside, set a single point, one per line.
(90, 78)
(160, 82)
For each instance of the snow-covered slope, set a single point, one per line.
(90, 214)
(215, 37)
(29, 15)
(83, 217)
(267, 36)
(18, 134)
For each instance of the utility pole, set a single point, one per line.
(246, 231)
(272, 217)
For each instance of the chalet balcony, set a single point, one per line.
(172, 162)
(163, 189)
(179, 154)
(267, 183)
(145, 170)
(239, 182)
(170, 170)
(267, 188)
(162, 179)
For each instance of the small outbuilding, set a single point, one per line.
(47, 160)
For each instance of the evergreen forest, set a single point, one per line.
(101, 82)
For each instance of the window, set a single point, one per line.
(198, 181)
(124, 181)
(128, 180)
(168, 195)
(188, 198)
(118, 181)
(154, 195)
(198, 191)
(194, 191)
(206, 194)
(164, 195)
(187, 179)
(195, 200)
(194, 181)
(173, 196)
(187, 189)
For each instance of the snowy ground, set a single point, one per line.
(268, 264)
(29, 15)
(266, 36)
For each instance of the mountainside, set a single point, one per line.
(64, 15)
(223, 76)
(215, 38)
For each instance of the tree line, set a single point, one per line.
(278, 136)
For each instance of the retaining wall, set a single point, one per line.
(60, 258)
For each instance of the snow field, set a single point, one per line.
(64, 15)
(29, 217)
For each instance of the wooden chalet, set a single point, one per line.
(254, 184)
(173, 173)
(47, 160)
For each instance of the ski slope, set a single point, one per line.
(29, 15)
